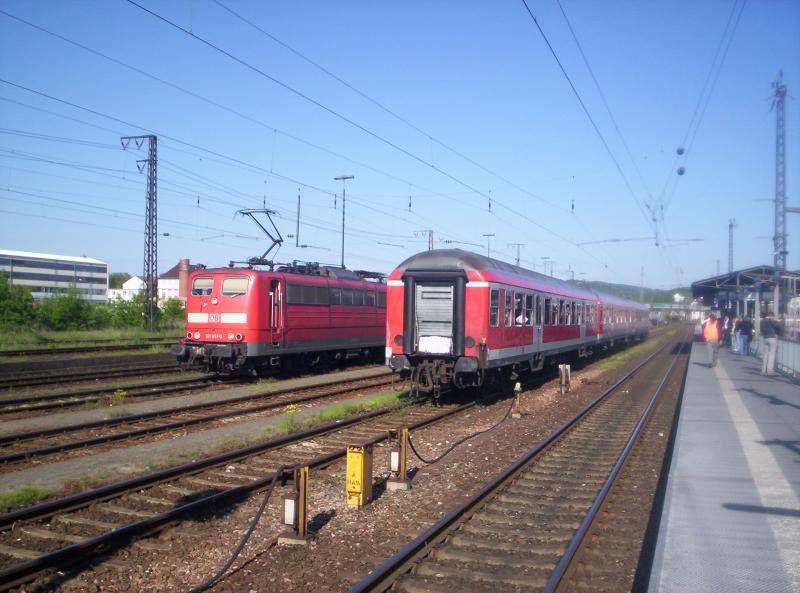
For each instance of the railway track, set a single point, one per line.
(521, 531)
(67, 399)
(83, 349)
(19, 380)
(38, 445)
(73, 530)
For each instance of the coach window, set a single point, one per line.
(562, 312)
(202, 286)
(548, 311)
(336, 296)
(509, 308)
(347, 296)
(529, 309)
(494, 307)
(519, 314)
(236, 286)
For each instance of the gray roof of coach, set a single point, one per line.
(459, 259)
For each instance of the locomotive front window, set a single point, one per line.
(202, 286)
(494, 307)
(235, 286)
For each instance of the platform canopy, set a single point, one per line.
(741, 285)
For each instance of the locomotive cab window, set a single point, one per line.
(494, 307)
(202, 286)
(235, 286)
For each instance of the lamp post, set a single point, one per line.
(343, 179)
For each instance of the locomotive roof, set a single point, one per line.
(323, 272)
(456, 260)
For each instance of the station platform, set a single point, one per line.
(731, 515)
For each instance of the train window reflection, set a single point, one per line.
(494, 307)
(202, 286)
(236, 286)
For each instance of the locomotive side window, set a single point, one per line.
(529, 309)
(519, 316)
(508, 311)
(235, 286)
(347, 296)
(369, 298)
(381, 299)
(336, 296)
(202, 286)
(358, 297)
(494, 307)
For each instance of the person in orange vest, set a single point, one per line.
(711, 335)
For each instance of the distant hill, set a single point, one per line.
(626, 291)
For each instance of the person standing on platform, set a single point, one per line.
(770, 330)
(745, 333)
(711, 335)
(735, 335)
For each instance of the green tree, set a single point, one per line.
(127, 313)
(66, 310)
(16, 304)
(117, 279)
(174, 310)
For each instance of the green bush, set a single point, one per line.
(16, 304)
(174, 310)
(67, 310)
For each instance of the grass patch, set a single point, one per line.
(292, 424)
(26, 495)
(16, 340)
(633, 353)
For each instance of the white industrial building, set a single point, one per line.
(46, 274)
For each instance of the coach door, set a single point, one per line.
(275, 311)
(537, 322)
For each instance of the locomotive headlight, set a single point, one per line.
(239, 337)
(230, 336)
(196, 335)
(214, 300)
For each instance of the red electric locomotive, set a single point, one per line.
(241, 319)
(459, 318)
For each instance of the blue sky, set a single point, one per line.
(457, 104)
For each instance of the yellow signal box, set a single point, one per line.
(359, 473)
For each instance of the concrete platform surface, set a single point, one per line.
(731, 517)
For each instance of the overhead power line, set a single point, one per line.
(643, 208)
(383, 107)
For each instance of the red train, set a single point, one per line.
(296, 316)
(462, 319)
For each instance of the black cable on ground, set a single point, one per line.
(460, 441)
(245, 538)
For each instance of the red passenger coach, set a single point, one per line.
(250, 320)
(456, 317)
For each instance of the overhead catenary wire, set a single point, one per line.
(643, 208)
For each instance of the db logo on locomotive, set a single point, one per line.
(213, 317)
